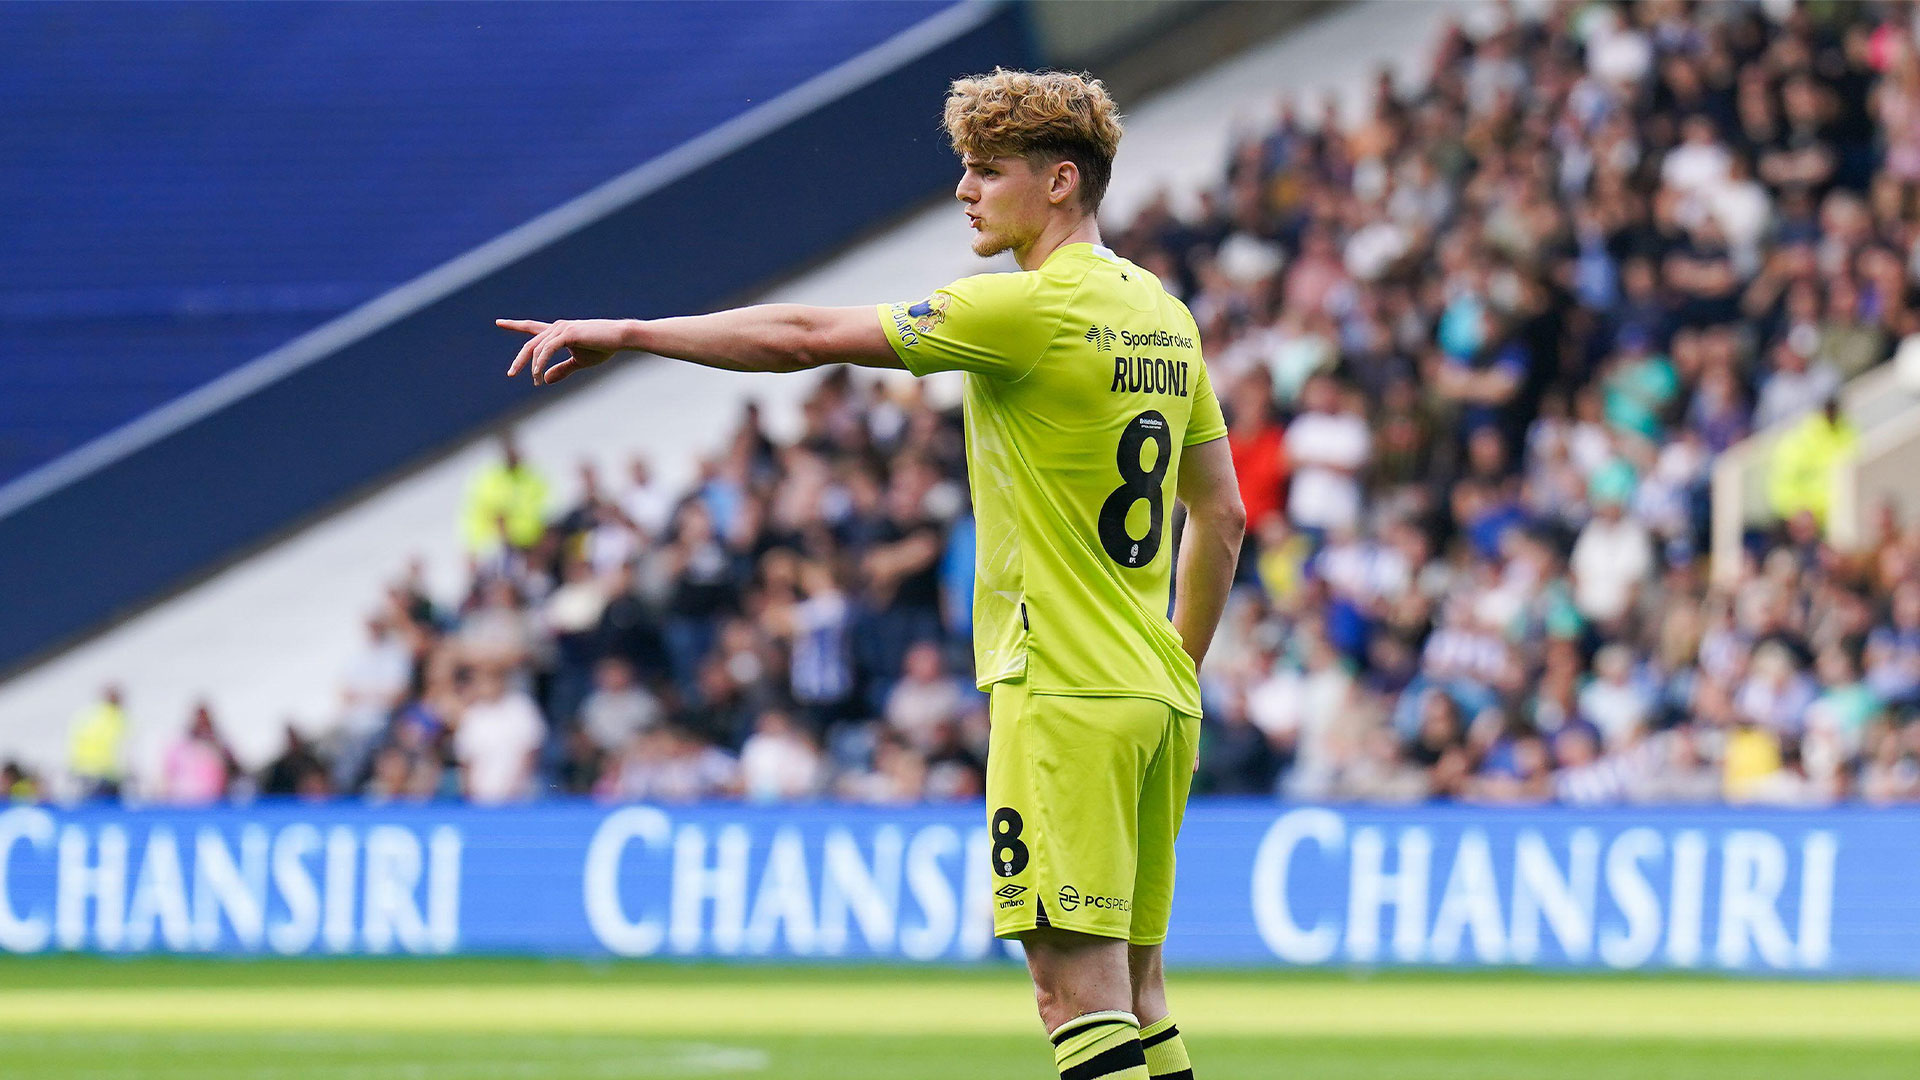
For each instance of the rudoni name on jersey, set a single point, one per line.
(1149, 375)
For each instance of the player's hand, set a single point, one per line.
(587, 341)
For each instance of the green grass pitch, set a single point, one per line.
(172, 1019)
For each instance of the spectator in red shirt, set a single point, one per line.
(1258, 442)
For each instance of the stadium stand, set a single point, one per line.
(1480, 346)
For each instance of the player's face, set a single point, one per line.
(1006, 201)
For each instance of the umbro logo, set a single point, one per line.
(1102, 337)
(1009, 891)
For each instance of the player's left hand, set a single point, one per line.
(588, 342)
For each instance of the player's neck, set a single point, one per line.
(1057, 234)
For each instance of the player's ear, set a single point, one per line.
(1063, 182)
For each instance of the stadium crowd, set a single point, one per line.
(1477, 351)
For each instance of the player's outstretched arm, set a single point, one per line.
(1210, 546)
(769, 337)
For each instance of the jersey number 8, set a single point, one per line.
(1136, 484)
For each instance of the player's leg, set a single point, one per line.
(1163, 804)
(1063, 783)
(1081, 985)
(1075, 973)
(1160, 1041)
(1147, 981)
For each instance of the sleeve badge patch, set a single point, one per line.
(930, 312)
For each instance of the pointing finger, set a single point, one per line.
(549, 343)
(524, 326)
(520, 359)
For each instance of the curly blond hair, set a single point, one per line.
(1053, 114)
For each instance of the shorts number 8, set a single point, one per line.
(1009, 854)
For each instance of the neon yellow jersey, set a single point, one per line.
(1084, 383)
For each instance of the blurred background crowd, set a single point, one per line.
(1478, 352)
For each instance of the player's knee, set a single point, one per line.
(1049, 999)
(1062, 997)
(1075, 973)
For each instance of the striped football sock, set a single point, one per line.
(1100, 1046)
(1166, 1053)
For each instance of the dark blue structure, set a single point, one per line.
(189, 185)
(357, 400)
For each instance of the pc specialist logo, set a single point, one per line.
(1071, 898)
(1102, 338)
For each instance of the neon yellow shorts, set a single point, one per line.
(1084, 799)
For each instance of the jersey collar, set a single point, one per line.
(1083, 247)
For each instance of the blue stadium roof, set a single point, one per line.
(190, 184)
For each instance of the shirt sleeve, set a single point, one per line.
(984, 324)
(1206, 422)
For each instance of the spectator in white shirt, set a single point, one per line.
(376, 680)
(1328, 445)
(613, 541)
(1611, 702)
(1613, 557)
(1744, 210)
(648, 503)
(498, 632)
(1310, 712)
(924, 699)
(779, 763)
(1618, 54)
(497, 741)
(376, 683)
(1699, 164)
